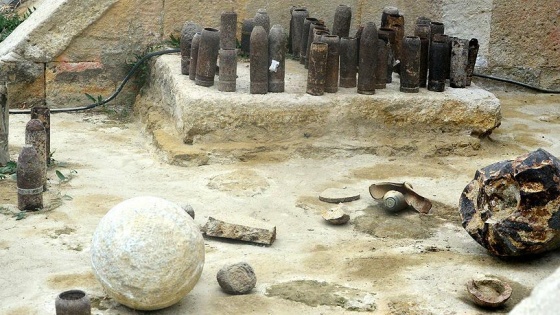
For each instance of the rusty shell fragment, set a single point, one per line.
(316, 75)
(29, 179)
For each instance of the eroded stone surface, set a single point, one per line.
(147, 253)
(512, 207)
(238, 278)
(241, 228)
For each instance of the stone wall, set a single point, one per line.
(71, 47)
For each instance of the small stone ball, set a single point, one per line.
(237, 279)
(147, 253)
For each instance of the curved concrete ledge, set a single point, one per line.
(205, 119)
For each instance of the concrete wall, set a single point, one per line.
(71, 47)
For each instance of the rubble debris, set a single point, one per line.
(511, 207)
(489, 292)
(336, 215)
(242, 229)
(338, 195)
(238, 278)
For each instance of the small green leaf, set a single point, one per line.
(20, 215)
(91, 98)
(67, 197)
(60, 175)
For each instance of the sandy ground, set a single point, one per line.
(393, 263)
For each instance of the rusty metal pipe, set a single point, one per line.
(298, 16)
(348, 62)
(333, 63)
(423, 32)
(473, 53)
(388, 34)
(29, 179)
(396, 22)
(194, 56)
(246, 29)
(305, 39)
(228, 70)
(410, 66)
(43, 113)
(259, 61)
(319, 25)
(316, 76)
(207, 57)
(276, 59)
(187, 34)
(436, 73)
(342, 20)
(228, 30)
(367, 59)
(459, 61)
(381, 68)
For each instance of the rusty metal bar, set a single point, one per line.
(316, 75)
(348, 62)
(276, 59)
(342, 20)
(367, 59)
(410, 65)
(473, 52)
(459, 61)
(259, 61)
(207, 57)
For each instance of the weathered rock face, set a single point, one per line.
(242, 229)
(237, 279)
(512, 208)
(147, 253)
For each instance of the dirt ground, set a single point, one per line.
(380, 262)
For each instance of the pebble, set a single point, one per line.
(239, 278)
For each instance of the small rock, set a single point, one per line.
(241, 228)
(239, 278)
(489, 293)
(336, 215)
(189, 209)
(338, 195)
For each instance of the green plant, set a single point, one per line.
(9, 20)
(65, 178)
(10, 168)
(173, 41)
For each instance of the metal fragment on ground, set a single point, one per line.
(338, 195)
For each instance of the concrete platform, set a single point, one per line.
(209, 119)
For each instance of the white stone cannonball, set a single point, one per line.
(147, 253)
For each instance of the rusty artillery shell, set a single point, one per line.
(385, 15)
(388, 34)
(319, 25)
(43, 113)
(228, 70)
(36, 136)
(367, 59)
(333, 62)
(436, 73)
(187, 34)
(473, 52)
(29, 179)
(459, 61)
(410, 66)
(421, 20)
(290, 35)
(298, 16)
(394, 201)
(262, 19)
(381, 68)
(259, 61)
(207, 57)
(423, 32)
(304, 39)
(276, 59)
(246, 30)
(316, 76)
(342, 20)
(348, 61)
(448, 60)
(396, 22)
(194, 55)
(436, 28)
(228, 30)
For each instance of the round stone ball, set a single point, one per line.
(147, 253)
